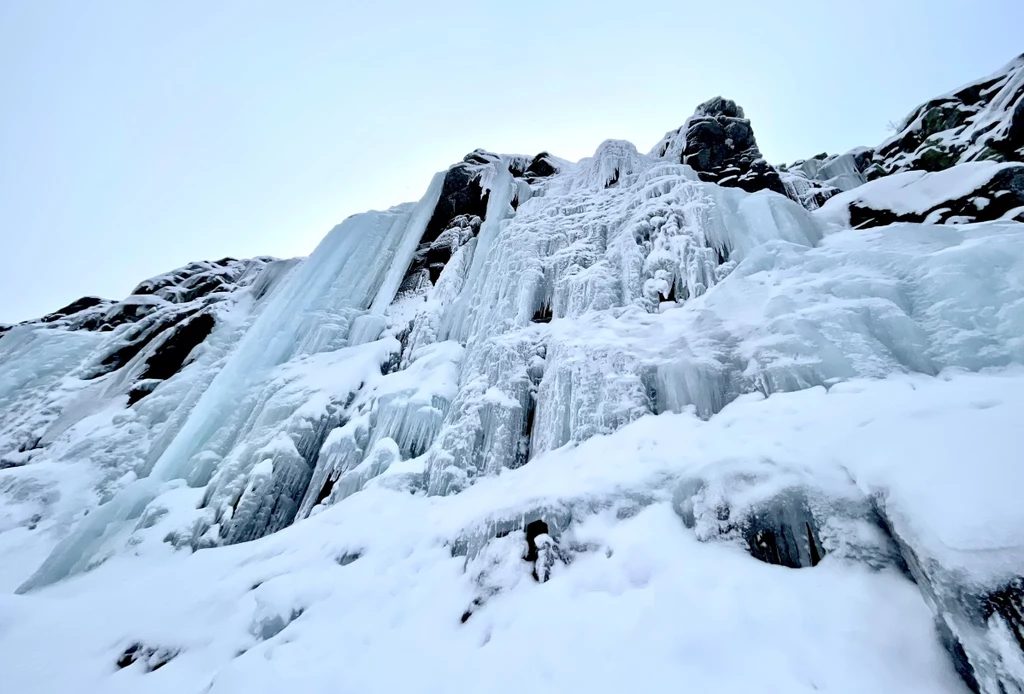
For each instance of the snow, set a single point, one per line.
(914, 192)
(643, 601)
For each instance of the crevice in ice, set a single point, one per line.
(981, 625)
(267, 626)
(349, 557)
(779, 518)
(781, 533)
(541, 550)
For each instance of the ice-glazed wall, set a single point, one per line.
(527, 305)
(249, 427)
(580, 302)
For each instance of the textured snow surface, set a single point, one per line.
(328, 604)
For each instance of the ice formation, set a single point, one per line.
(506, 386)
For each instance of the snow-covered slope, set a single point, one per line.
(557, 426)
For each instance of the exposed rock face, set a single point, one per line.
(980, 121)
(197, 280)
(461, 195)
(544, 165)
(462, 208)
(718, 142)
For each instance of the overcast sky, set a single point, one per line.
(137, 136)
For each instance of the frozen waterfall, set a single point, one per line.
(357, 267)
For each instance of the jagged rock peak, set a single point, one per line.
(718, 142)
(719, 106)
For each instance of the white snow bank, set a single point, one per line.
(326, 604)
(913, 192)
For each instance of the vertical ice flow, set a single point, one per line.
(359, 264)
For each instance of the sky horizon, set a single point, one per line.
(139, 138)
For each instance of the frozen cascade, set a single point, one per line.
(405, 408)
(839, 171)
(310, 313)
(617, 231)
(581, 382)
(499, 207)
(602, 254)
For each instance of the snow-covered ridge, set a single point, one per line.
(545, 384)
(980, 121)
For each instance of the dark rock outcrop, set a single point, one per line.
(170, 355)
(86, 302)
(542, 166)
(209, 280)
(202, 278)
(461, 209)
(718, 143)
(461, 196)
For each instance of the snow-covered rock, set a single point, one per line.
(980, 122)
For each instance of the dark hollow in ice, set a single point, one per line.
(542, 315)
(153, 658)
(272, 626)
(349, 557)
(541, 558)
(784, 532)
(533, 531)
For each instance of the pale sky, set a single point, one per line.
(136, 136)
